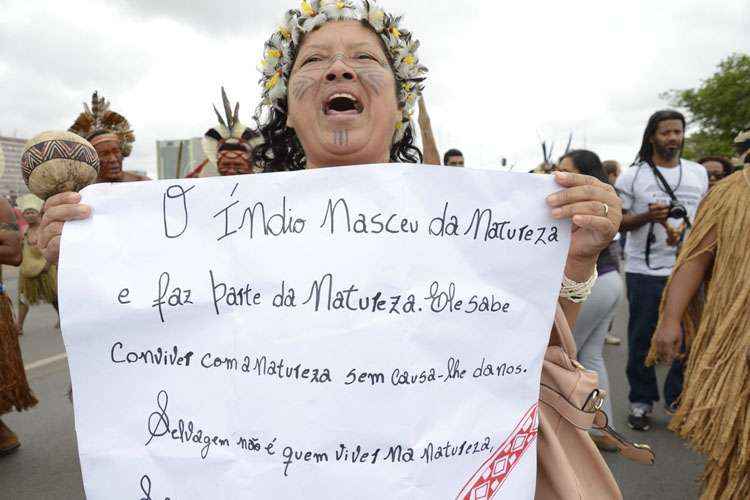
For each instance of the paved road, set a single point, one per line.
(46, 466)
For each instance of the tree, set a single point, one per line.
(719, 108)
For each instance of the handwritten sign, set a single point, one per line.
(361, 332)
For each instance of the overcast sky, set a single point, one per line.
(501, 76)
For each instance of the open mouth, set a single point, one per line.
(342, 104)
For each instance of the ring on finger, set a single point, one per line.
(606, 209)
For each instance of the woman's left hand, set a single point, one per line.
(595, 209)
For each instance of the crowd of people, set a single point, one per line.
(685, 231)
(340, 84)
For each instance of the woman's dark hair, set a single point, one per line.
(282, 150)
(725, 163)
(646, 154)
(611, 167)
(587, 162)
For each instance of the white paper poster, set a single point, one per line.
(358, 333)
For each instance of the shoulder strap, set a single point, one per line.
(561, 334)
(595, 418)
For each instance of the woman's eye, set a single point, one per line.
(311, 59)
(366, 57)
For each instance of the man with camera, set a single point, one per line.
(661, 193)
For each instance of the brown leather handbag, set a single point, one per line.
(570, 465)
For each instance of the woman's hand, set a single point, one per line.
(596, 212)
(57, 211)
(668, 339)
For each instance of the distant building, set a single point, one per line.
(11, 183)
(167, 153)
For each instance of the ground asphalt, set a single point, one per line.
(47, 466)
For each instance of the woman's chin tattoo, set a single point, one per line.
(341, 137)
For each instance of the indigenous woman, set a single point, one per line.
(37, 281)
(340, 81)
(708, 296)
(14, 388)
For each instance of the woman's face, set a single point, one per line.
(567, 166)
(342, 97)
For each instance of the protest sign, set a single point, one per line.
(369, 332)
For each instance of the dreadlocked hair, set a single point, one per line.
(282, 150)
(646, 153)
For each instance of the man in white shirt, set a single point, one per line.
(656, 225)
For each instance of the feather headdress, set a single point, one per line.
(99, 118)
(548, 153)
(282, 47)
(229, 131)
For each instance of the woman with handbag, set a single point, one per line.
(340, 82)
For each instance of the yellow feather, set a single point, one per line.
(307, 8)
(273, 81)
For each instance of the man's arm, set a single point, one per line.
(431, 155)
(10, 242)
(685, 283)
(656, 213)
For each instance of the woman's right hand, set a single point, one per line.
(59, 209)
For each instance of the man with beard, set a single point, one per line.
(660, 193)
(110, 134)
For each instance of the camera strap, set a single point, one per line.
(649, 240)
(651, 236)
(668, 189)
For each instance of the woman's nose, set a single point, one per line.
(340, 71)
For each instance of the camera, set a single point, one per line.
(677, 210)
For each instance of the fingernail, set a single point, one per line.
(552, 199)
(557, 213)
(84, 211)
(563, 176)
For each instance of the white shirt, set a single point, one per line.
(638, 186)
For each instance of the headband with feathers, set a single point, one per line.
(100, 119)
(743, 136)
(548, 152)
(230, 132)
(282, 47)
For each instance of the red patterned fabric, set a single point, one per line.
(488, 480)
